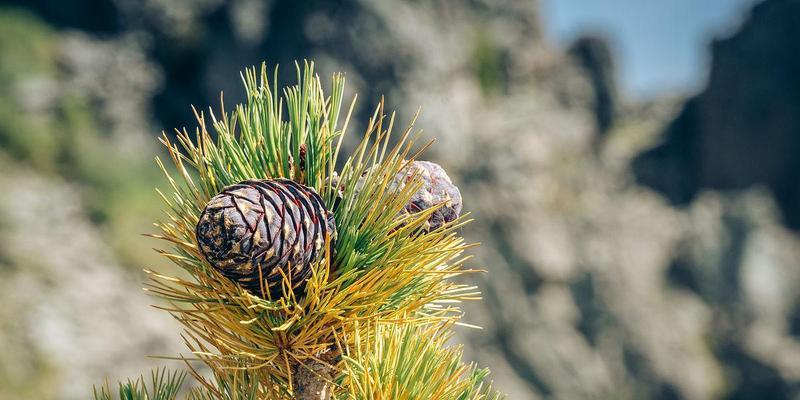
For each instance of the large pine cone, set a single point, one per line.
(257, 229)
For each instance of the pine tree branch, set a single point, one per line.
(374, 316)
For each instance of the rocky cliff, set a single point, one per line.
(599, 287)
(743, 129)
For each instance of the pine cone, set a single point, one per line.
(257, 229)
(436, 188)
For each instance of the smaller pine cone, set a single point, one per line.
(262, 229)
(437, 188)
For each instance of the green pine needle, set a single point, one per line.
(163, 385)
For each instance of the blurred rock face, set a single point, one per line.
(70, 316)
(593, 54)
(598, 287)
(744, 128)
(73, 107)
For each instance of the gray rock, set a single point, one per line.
(742, 129)
(71, 316)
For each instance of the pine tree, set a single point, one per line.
(310, 275)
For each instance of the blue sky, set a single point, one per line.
(660, 46)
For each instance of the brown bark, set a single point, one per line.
(313, 380)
